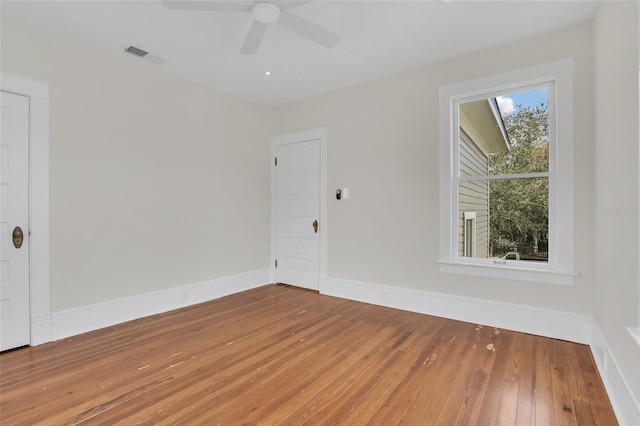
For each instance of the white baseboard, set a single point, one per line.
(624, 404)
(93, 317)
(526, 319)
(40, 330)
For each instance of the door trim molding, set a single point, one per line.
(40, 301)
(288, 138)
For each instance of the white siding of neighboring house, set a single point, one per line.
(473, 196)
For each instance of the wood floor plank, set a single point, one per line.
(591, 383)
(303, 403)
(544, 401)
(397, 376)
(299, 372)
(157, 372)
(583, 415)
(561, 380)
(442, 375)
(526, 413)
(229, 376)
(464, 401)
(493, 393)
(279, 355)
(508, 405)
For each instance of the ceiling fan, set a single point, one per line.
(264, 13)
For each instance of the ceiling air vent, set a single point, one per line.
(143, 54)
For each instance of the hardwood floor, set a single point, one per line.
(281, 355)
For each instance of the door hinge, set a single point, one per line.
(275, 161)
(276, 263)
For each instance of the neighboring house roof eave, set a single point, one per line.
(481, 120)
(498, 115)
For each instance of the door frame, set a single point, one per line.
(40, 302)
(290, 138)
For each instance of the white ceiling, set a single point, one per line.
(379, 38)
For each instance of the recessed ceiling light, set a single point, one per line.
(267, 73)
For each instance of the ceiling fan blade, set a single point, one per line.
(309, 30)
(253, 38)
(208, 5)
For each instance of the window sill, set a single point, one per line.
(509, 273)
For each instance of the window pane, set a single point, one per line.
(507, 134)
(506, 218)
(473, 219)
(519, 212)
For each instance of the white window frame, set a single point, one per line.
(558, 76)
(469, 216)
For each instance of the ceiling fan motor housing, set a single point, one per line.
(267, 13)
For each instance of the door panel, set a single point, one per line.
(14, 212)
(297, 207)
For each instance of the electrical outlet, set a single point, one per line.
(385, 297)
(184, 297)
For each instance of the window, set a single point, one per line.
(506, 178)
(503, 172)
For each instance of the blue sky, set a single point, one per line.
(530, 98)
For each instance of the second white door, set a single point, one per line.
(297, 180)
(14, 222)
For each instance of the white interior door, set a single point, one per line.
(14, 216)
(298, 213)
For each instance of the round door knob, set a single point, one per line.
(18, 237)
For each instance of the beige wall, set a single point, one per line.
(383, 146)
(155, 182)
(617, 135)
